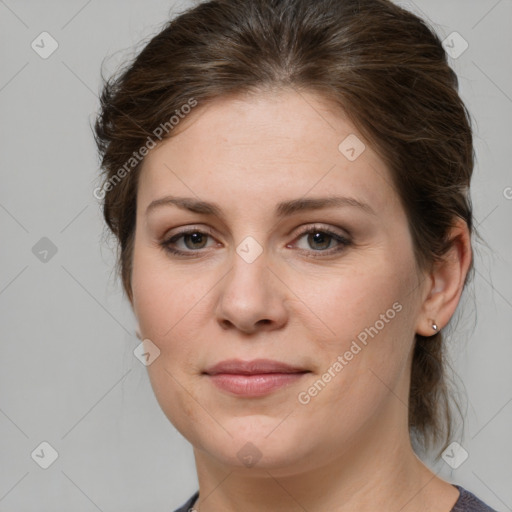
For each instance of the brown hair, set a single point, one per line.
(383, 65)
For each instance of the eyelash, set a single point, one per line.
(166, 244)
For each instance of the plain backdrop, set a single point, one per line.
(68, 376)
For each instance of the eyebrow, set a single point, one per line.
(283, 209)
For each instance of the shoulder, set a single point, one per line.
(468, 502)
(186, 507)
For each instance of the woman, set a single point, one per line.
(289, 184)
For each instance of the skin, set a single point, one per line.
(348, 448)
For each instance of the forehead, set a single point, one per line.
(276, 145)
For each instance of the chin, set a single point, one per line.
(265, 446)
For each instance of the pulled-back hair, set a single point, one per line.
(383, 65)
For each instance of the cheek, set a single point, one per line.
(169, 309)
(163, 302)
(363, 295)
(367, 334)
(164, 295)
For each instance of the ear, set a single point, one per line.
(446, 282)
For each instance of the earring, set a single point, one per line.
(434, 326)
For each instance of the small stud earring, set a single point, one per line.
(434, 326)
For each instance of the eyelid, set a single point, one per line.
(190, 229)
(343, 240)
(187, 230)
(209, 231)
(324, 229)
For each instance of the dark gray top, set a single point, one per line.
(467, 502)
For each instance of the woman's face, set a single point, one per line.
(251, 284)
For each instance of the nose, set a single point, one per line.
(252, 297)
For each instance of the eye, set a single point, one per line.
(194, 239)
(321, 238)
(318, 237)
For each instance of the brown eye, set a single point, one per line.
(320, 240)
(194, 240)
(197, 239)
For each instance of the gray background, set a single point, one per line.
(68, 375)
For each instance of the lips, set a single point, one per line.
(254, 378)
(254, 367)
